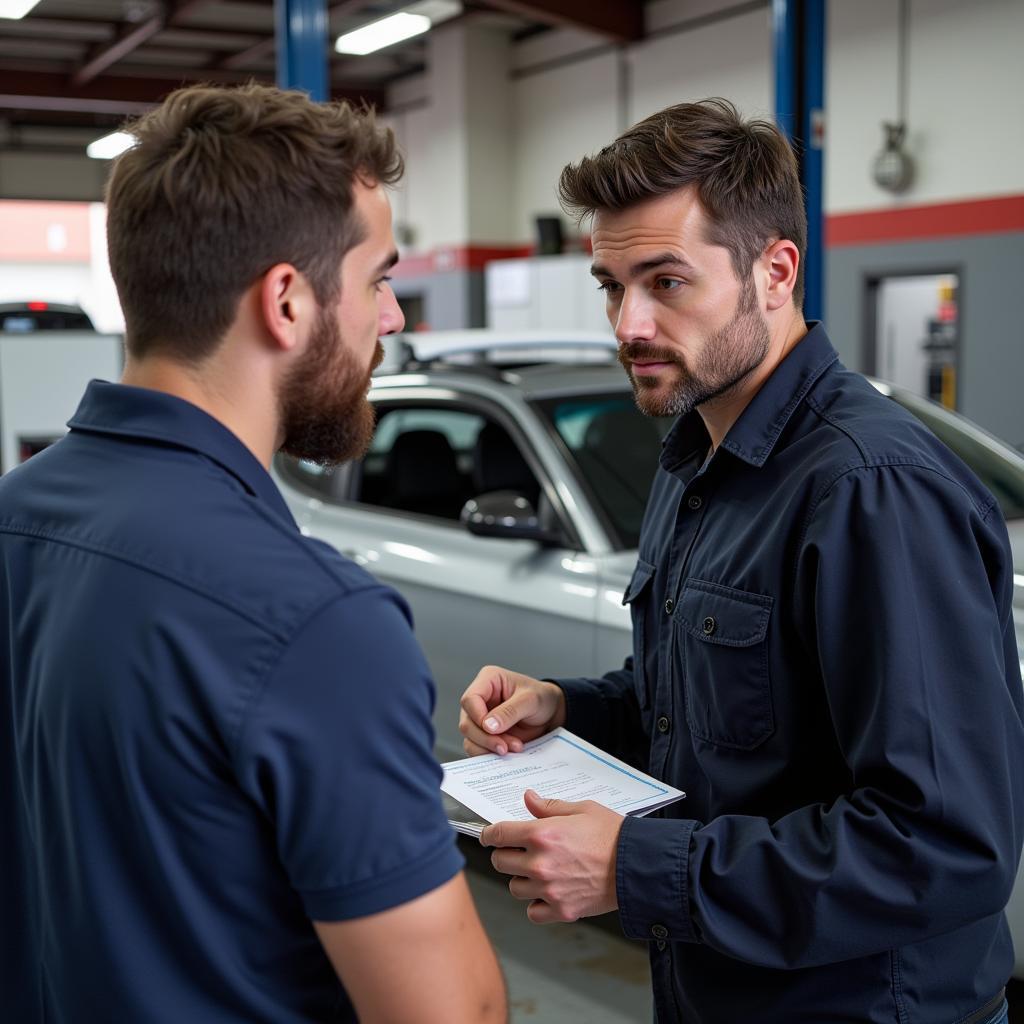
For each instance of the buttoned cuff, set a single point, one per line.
(652, 879)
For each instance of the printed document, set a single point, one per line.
(560, 766)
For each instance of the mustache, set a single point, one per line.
(644, 352)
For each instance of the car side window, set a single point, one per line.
(430, 460)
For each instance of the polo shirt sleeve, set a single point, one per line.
(337, 752)
(903, 593)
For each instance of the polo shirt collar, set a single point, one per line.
(121, 410)
(752, 437)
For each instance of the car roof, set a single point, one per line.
(37, 306)
(535, 381)
(532, 362)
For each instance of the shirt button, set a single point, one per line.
(669, 605)
(661, 945)
(708, 626)
(695, 501)
(664, 724)
(659, 931)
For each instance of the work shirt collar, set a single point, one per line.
(752, 437)
(121, 410)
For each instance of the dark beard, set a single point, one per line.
(729, 355)
(323, 405)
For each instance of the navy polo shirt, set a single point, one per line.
(824, 660)
(212, 730)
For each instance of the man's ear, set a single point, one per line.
(287, 304)
(783, 261)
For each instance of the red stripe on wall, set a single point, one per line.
(899, 224)
(940, 220)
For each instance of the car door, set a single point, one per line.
(475, 600)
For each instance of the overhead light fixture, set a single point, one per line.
(16, 8)
(110, 146)
(386, 32)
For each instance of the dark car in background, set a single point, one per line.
(36, 315)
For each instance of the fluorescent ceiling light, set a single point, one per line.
(110, 146)
(16, 8)
(385, 32)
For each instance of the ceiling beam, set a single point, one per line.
(130, 37)
(622, 21)
(344, 7)
(125, 95)
(76, 29)
(32, 86)
(264, 48)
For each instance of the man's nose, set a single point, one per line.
(634, 321)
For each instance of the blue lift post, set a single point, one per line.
(799, 34)
(301, 27)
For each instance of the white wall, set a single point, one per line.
(489, 136)
(454, 126)
(731, 58)
(965, 99)
(559, 115)
(571, 94)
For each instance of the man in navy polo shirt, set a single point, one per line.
(823, 644)
(220, 796)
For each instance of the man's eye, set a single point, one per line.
(668, 284)
(382, 281)
(608, 287)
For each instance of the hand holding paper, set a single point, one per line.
(564, 800)
(502, 710)
(563, 862)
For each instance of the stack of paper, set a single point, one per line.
(488, 788)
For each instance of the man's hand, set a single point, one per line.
(563, 862)
(502, 710)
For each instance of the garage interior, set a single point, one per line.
(908, 116)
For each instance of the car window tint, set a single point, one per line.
(1001, 473)
(615, 449)
(421, 460)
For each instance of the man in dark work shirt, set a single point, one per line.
(823, 645)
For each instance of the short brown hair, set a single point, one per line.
(745, 174)
(221, 184)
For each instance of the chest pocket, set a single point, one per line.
(638, 597)
(722, 636)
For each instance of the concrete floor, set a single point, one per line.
(559, 974)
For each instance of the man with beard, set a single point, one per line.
(823, 644)
(221, 802)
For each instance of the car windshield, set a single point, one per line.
(1002, 474)
(615, 449)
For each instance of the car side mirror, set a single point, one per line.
(507, 514)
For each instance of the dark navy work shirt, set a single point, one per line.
(212, 730)
(824, 660)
